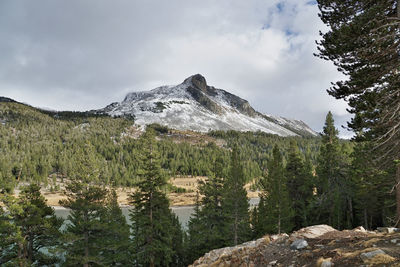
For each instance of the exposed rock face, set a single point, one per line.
(312, 231)
(194, 105)
(325, 247)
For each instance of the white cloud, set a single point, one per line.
(86, 54)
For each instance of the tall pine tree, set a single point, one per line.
(275, 213)
(363, 42)
(83, 237)
(299, 185)
(152, 220)
(115, 238)
(333, 183)
(235, 203)
(208, 228)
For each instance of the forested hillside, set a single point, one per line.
(43, 146)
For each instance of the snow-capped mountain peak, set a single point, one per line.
(194, 105)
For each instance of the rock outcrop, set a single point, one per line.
(319, 245)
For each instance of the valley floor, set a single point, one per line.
(176, 199)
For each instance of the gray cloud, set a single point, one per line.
(80, 55)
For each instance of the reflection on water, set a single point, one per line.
(183, 213)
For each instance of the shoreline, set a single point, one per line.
(254, 199)
(57, 207)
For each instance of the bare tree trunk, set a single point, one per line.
(236, 230)
(398, 164)
(398, 191)
(398, 8)
(365, 219)
(350, 202)
(279, 222)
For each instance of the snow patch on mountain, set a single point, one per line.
(193, 105)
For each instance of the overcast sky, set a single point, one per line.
(81, 55)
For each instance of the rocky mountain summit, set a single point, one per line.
(320, 245)
(194, 105)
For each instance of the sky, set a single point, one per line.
(86, 54)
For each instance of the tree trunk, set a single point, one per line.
(350, 202)
(398, 8)
(235, 241)
(398, 192)
(398, 164)
(235, 237)
(20, 254)
(86, 238)
(365, 219)
(279, 207)
(279, 222)
(30, 248)
(152, 256)
(86, 264)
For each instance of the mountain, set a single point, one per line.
(7, 100)
(194, 105)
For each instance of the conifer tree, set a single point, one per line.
(84, 232)
(179, 257)
(152, 221)
(299, 185)
(207, 227)
(275, 213)
(363, 42)
(29, 227)
(235, 202)
(333, 183)
(115, 239)
(256, 225)
(195, 240)
(372, 188)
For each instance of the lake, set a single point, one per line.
(183, 212)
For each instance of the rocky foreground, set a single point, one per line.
(319, 245)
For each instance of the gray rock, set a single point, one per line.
(394, 241)
(299, 244)
(388, 230)
(391, 230)
(326, 263)
(371, 254)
